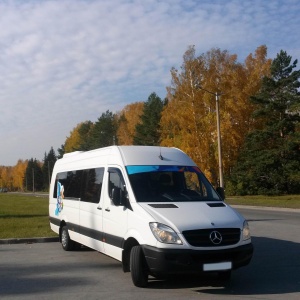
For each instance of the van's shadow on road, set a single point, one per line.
(18, 279)
(274, 269)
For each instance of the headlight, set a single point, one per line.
(246, 231)
(165, 234)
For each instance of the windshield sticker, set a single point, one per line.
(143, 169)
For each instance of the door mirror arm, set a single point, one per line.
(221, 192)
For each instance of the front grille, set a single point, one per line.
(201, 237)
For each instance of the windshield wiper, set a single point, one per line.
(169, 197)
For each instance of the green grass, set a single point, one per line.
(24, 216)
(288, 201)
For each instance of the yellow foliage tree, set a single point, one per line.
(128, 118)
(13, 177)
(189, 119)
(18, 172)
(78, 136)
(5, 177)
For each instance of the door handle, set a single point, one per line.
(100, 208)
(107, 209)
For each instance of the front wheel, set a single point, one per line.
(138, 267)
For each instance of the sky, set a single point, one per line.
(63, 62)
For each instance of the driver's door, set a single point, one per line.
(114, 216)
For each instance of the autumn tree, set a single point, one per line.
(78, 137)
(18, 173)
(6, 177)
(189, 119)
(269, 162)
(128, 119)
(147, 132)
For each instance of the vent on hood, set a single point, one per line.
(216, 204)
(163, 205)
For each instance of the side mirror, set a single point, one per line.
(221, 192)
(118, 196)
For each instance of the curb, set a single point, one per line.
(270, 208)
(29, 240)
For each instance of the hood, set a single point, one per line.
(194, 215)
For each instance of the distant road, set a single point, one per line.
(37, 194)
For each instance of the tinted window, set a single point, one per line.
(170, 183)
(92, 185)
(84, 185)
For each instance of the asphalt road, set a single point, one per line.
(45, 271)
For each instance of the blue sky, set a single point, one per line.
(67, 61)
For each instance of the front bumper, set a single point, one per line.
(173, 261)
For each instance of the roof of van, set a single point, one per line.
(135, 155)
(154, 155)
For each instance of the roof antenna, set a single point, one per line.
(160, 156)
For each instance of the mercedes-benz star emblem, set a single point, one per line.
(215, 237)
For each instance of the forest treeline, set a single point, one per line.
(260, 124)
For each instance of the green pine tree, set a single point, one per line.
(147, 132)
(47, 168)
(269, 162)
(61, 151)
(103, 134)
(33, 179)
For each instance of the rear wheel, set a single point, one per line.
(138, 267)
(66, 242)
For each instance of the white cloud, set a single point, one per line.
(64, 62)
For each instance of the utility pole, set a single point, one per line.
(33, 180)
(49, 172)
(218, 134)
(219, 142)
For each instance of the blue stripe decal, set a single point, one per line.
(143, 169)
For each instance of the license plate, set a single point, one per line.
(218, 266)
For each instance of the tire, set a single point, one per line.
(66, 242)
(138, 267)
(224, 275)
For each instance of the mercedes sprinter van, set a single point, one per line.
(149, 207)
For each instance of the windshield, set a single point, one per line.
(170, 183)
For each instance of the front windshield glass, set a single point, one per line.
(170, 183)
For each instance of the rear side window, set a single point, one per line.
(84, 185)
(92, 185)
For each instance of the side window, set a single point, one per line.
(62, 179)
(84, 185)
(72, 186)
(115, 181)
(92, 186)
(69, 184)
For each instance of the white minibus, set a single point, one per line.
(149, 207)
